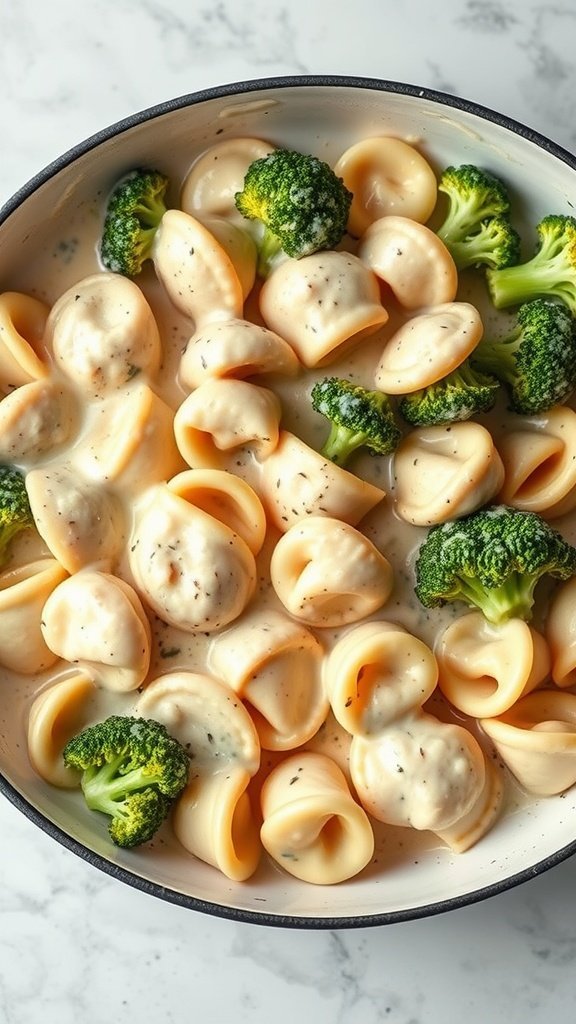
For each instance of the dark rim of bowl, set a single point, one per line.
(20, 802)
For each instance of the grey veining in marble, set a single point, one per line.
(75, 945)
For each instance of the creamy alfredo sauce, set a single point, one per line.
(174, 650)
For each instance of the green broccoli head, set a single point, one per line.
(491, 560)
(495, 244)
(133, 214)
(358, 419)
(550, 273)
(537, 361)
(299, 199)
(15, 512)
(132, 770)
(474, 197)
(463, 393)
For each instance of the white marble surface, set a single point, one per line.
(76, 946)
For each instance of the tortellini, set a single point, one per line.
(213, 818)
(22, 334)
(275, 665)
(192, 570)
(428, 347)
(322, 304)
(486, 668)
(297, 481)
(426, 775)
(223, 415)
(312, 825)
(57, 713)
(130, 441)
(205, 276)
(443, 473)
(539, 457)
(96, 621)
(561, 634)
(217, 174)
(235, 348)
(412, 260)
(326, 573)
(536, 739)
(386, 176)
(35, 419)
(376, 674)
(23, 593)
(407, 767)
(80, 521)
(102, 333)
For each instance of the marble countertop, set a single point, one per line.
(68, 70)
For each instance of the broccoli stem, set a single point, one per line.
(341, 443)
(498, 358)
(103, 786)
(511, 286)
(268, 248)
(513, 599)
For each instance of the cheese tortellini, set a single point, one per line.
(428, 347)
(58, 713)
(191, 569)
(312, 825)
(485, 668)
(96, 621)
(36, 419)
(206, 269)
(23, 357)
(235, 348)
(412, 260)
(275, 665)
(539, 457)
(407, 767)
(386, 176)
(24, 591)
(445, 472)
(536, 739)
(213, 817)
(221, 416)
(326, 573)
(322, 304)
(298, 482)
(102, 333)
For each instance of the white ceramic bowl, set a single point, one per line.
(412, 877)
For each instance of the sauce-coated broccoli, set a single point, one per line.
(302, 204)
(133, 214)
(132, 770)
(15, 512)
(358, 418)
(491, 560)
(537, 360)
(551, 271)
(477, 229)
(463, 393)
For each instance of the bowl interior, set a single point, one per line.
(413, 875)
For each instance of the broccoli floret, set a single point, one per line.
(550, 273)
(15, 512)
(358, 419)
(132, 770)
(133, 214)
(477, 229)
(495, 244)
(491, 560)
(301, 203)
(462, 394)
(537, 361)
